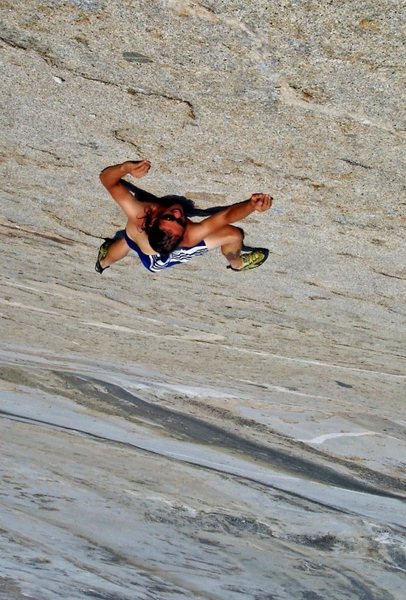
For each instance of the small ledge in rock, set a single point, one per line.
(135, 57)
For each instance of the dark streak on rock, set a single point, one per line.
(32, 44)
(13, 44)
(355, 163)
(120, 138)
(134, 92)
(388, 275)
(343, 385)
(103, 439)
(348, 255)
(192, 429)
(47, 152)
(47, 236)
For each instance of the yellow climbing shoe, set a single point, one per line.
(252, 260)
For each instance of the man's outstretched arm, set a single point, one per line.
(236, 212)
(111, 179)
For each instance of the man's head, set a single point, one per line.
(167, 229)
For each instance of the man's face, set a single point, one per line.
(173, 220)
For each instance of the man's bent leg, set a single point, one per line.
(116, 251)
(229, 238)
(111, 251)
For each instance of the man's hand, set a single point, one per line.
(137, 168)
(261, 202)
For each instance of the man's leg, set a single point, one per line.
(118, 250)
(229, 238)
(111, 251)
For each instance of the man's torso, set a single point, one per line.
(135, 230)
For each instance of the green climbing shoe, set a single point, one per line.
(252, 260)
(102, 253)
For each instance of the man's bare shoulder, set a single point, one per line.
(193, 234)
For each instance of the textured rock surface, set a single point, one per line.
(299, 98)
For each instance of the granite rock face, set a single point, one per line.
(298, 98)
(225, 98)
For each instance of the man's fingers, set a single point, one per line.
(140, 168)
(261, 202)
(144, 165)
(261, 197)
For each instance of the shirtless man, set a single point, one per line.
(161, 234)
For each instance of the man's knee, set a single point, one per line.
(227, 235)
(232, 236)
(236, 234)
